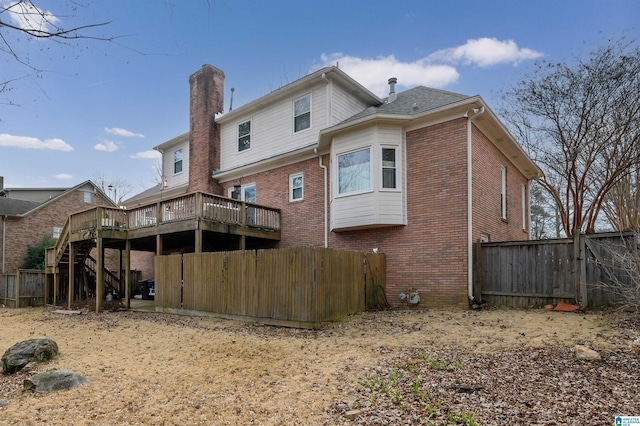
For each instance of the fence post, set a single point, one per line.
(18, 288)
(580, 267)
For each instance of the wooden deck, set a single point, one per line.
(191, 223)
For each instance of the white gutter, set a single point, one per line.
(476, 113)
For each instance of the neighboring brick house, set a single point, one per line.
(420, 175)
(29, 214)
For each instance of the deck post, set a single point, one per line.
(99, 272)
(46, 287)
(158, 245)
(199, 211)
(72, 274)
(56, 285)
(127, 274)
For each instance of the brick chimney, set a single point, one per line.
(206, 100)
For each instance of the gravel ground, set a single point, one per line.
(490, 367)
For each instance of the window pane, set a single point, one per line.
(244, 143)
(244, 128)
(388, 168)
(250, 194)
(297, 181)
(177, 156)
(303, 122)
(302, 106)
(297, 193)
(177, 167)
(354, 171)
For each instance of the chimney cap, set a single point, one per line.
(393, 80)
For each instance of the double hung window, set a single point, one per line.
(244, 136)
(354, 171)
(302, 113)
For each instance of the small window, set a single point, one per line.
(389, 180)
(302, 113)
(244, 136)
(503, 192)
(296, 191)
(354, 171)
(87, 197)
(177, 161)
(56, 231)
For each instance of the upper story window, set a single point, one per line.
(302, 113)
(389, 169)
(87, 197)
(354, 171)
(244, 136)
(177, 161)
(296, 191)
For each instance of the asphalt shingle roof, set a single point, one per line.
(413, 101)
(13, 207)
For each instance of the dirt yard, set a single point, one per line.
(392, 367)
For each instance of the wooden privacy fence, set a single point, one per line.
(535, 273)
(298, 287)
(23, 288)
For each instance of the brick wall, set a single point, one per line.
(29, 231)
(430, 253)
(487, 162)
(206, 100)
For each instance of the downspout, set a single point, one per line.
(323, 167)
(324, 190)
(4, 231)
(475, 113)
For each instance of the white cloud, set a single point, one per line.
(64, 176)
(436, 70)
(34, 143)
(374, 73)
(106, 145)
(28, 17)
(485, 52)
(147, 155)
(122, 132)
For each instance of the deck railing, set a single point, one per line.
(181, 208)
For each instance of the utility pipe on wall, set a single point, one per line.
(324, 190)
(475, 113)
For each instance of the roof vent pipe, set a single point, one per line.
(392, 89)
(231, 102)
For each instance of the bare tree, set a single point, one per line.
(622, 204)
(581, 123)
(117, 189)
(22, 21)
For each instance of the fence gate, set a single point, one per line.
(577, 270)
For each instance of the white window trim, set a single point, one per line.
(503, 192)
(396, 148)
(250, 121)
(337, 172)
(293, 110)
(181, 161)
(291, 188)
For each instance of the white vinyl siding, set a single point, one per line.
(174, 180)
(377, 206)
(272, 126)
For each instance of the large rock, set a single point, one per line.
(54, 380)
(585, 353)
(21, 354)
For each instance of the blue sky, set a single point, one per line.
(98, 108)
